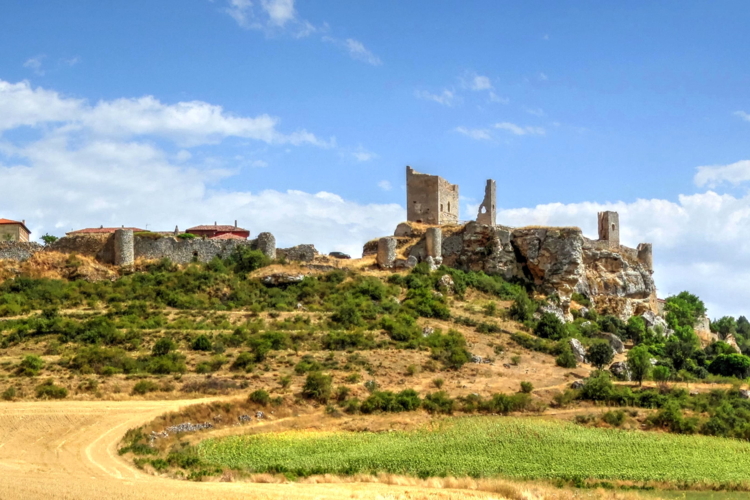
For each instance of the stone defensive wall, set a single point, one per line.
(123, 248)
(19, 250)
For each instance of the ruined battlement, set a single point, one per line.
(430, 199)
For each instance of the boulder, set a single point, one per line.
(278, 279)
(614, 341)
(411, 262)
(301, 253)
(386, 252)
(446, 281)
(431, 262)
(340, 255)
(578, 351)
(744, 394)
(553, 309)
(732, 342)
(578, 384)
(621, 370)
(654, 321)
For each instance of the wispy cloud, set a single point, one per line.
(496, 98)
(481, 83)
(535, 111)
(70, 62)
(385, 185)
(542, 77)
(743, 115)
(446, 97)
(359, 154)
(714, 175)
(272, 17)
(478, 134)
(35, 65)
(358, 51)
(519, 130)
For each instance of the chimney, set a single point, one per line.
(235, 223)
(101, 227)
(215, 224)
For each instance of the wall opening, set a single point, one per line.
(441, 206)
(449, 206)
(613, 227)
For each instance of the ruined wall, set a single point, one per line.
(487, 210)
(182, 251)
(609, 228)
(19, 250)
(98, 246)
(430, 199)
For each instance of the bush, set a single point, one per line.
(30, 365)
(614, 418)
(438, 402)
(730, 365)
(549, 327)
(201, 343)
(163, 346)
(566, 359)
(260, 397)
(599, 353)
(244, 361)
(406, 400)
(48, 390)
(503, 403)
(450, 348)
(523, 308)
(598, 387)
(317, 386)
(9, 394)
(661, 373)
(527, 387)
(246, 260)
(145, 386)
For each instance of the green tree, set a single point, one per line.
(48, 239)
(724, 326)
(549, 327)
(246, 260)
(317, 386)
(566, 358)
(730, 365)
(635, 329)
(684, 309)
(600, 353)
(523, 307)
(639, 362)
(201, 343)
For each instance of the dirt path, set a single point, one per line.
(68, 450)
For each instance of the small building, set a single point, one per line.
(101, 230)
(12, 230)
(430, 199)
(220, 231)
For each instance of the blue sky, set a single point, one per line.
(299, 118)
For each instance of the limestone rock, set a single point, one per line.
(621, 370)
(744, 394)
(578, 351)
(652, 320)
(301, 253)
(446, 282)
(431, 262)
(732, 342)
(578, 384)
(386, 252)
(614, 341)
(411, 262)
(277, 279)
(553, 309)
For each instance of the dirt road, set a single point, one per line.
(68, 450)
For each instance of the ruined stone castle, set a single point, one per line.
(558, 260)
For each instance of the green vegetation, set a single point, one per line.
(486, 447)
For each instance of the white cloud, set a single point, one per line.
(385, 185)
(545, 38)
(362, 155)
(187, 123)
(446, 97)
(358, 51)
(542, 77)
(479, 82)
(35, 65)
(519, 130)
(273, 16)
(84, 170)
(71, 62)
(535, 111)
(496, 98)
(479, 134)
(715, 175)
(700, 241)
(743, 115)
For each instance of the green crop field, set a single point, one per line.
(491, 446)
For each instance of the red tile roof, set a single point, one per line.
(227, 236)
(8, 221)
(213, 227)
(102, 230)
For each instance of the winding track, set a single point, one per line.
(68, 450)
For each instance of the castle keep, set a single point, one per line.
(430, 199)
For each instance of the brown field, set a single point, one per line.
(68, 450)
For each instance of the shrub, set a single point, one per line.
(260, 397)
(581, 299)
(614, 418)
(30, 365)
(163, 346)
(317, 386)
(48, 390)
(450, 348)
(599, 353)
(639, 362)
(527, 387)
(201, 343)
(438, 402)
(246, 260)
(730, 365)
(145, 386)
(598, 387)
(186, 236)
(661, 373)
(503, 403)
(9, 394)
(566, 359)
(523, 308)
(438, 382)
(406, 400)
(243, 361)
(340, 341)
(549, 327)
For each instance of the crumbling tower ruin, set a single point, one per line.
(487, 211)
(430, 199)
(609, 228)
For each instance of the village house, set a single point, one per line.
(220, 231)
(11, 230)
(101, 230)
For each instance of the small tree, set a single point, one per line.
(163, 346)
(600, 353)
(566, 359)
(527, 387)
(201, 343)
(549, 327)
(48, 239)
(639, 362)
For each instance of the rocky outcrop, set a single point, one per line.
(301, 253)
(621, 371)
(578, 350)
(278, 279)
(614, 341)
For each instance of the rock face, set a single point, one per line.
(301, 253)
(386, 252)
(578, 351)
(621, 370)
(557, 260)
(614, 341)
(552, 309)
(278, 279)
(653, 321)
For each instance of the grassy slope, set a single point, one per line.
(490, 446)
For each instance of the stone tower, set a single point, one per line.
(487, 212)
(609, 228)
(124, 247)
(430, 199)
